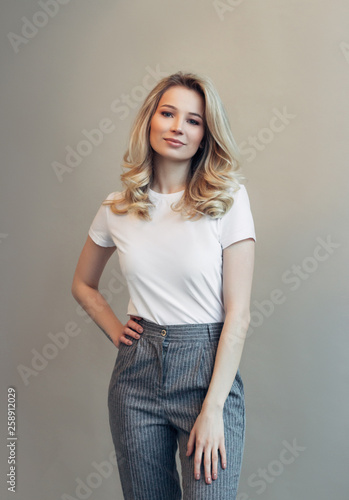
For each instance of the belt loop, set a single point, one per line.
(212, 330)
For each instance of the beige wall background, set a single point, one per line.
(282, 70)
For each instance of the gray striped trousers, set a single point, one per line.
(155, 395)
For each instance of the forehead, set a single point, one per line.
(183, 99)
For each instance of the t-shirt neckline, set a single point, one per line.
(155, 194)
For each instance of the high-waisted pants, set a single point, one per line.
(155, 395)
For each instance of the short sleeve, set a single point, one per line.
(99, 230)
(237, 224)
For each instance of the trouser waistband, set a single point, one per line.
(181, 332)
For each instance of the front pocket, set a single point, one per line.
(206, 366)
(125, 359)
(238, 386)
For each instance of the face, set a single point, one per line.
(179, 116)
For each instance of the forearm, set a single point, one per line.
(228, 356)
(93, 302)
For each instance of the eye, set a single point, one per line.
(164, 113)
(194, 122)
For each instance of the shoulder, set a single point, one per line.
(240, 192)
(237, 223)
(113, 199)
(239, 197)
(115, 196)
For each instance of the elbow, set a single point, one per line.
(79, 289)
(74, 289)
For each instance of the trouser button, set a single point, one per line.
(163, 333)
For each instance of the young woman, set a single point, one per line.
(185, 238)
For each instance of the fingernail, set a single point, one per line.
(140, 330)
(137, 336)
(214, 476)
(208, 479)
(197, 476)
(224, 465)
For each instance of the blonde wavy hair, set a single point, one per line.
(215, 169)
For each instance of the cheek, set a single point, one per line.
(155, 128)
(197, 136)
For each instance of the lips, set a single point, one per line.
(175, 141)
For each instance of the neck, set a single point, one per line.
(169, 176)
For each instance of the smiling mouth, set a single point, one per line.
(174, 141)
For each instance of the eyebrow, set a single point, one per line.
(173, 107)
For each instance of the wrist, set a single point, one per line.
(212, 406)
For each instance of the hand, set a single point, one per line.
(208, 436)
(130, 328)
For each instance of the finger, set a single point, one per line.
(223, 455)
(132, 333)
(190, 444)
(127, 333)
(197, 462)
(214, 463)
(135, 326)
(125, 340)
(207, 465)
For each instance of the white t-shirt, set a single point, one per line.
(173, 266)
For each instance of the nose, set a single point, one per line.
(177, 126)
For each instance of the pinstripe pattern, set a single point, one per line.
(155, 394)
